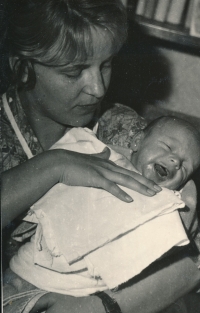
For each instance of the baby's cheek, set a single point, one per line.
(170, 184)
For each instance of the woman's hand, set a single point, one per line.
(97, 171)
(28, 182)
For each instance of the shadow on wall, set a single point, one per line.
(140, 74)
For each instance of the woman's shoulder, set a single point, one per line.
(119, 124)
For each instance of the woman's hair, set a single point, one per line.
(58, 32)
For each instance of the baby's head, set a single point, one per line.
(167, 151)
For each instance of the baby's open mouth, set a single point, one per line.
(161, 170)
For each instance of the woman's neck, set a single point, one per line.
(46, 130)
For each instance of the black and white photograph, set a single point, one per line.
(100, 156)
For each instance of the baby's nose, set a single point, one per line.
(176, 162)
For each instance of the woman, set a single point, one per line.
(60, 59)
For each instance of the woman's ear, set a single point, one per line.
(137, 140)
(15, 65)
(13, 61)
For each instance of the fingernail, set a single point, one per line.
(128, 198)
(158, 188)
(151, 192)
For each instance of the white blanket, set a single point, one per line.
(85, 228)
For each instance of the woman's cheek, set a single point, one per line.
(108, 77)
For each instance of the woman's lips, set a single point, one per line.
(88, 107)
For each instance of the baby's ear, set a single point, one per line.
(137, 140)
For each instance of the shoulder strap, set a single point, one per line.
(110, 305)
(16, 128)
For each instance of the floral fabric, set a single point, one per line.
(118, 125)
(12, 151)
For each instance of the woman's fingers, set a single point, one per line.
(127, 178)
(145, 182)
(131, 179)
(131, 182)
(97, 171)
(115, 191)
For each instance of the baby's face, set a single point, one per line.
(168, 156)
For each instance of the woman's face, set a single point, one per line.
(70, 95)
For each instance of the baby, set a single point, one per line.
(167, 152)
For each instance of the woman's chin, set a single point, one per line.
(81, 122)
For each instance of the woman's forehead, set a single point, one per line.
(101, 40)
(100, 45)
(96, 43)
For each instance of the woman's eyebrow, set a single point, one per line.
(81, 65)
(77, 66)
(72, 67)
(109, 58)
(86, 65)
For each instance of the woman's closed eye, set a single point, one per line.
(106, 66)
(73, 73)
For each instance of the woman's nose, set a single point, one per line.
(95, 85)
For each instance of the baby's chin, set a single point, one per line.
(161, 181)
(168, 184)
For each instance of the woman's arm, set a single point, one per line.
(149, 294)
(154, 292)
(23, 185)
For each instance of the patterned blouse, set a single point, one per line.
(12, 151)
